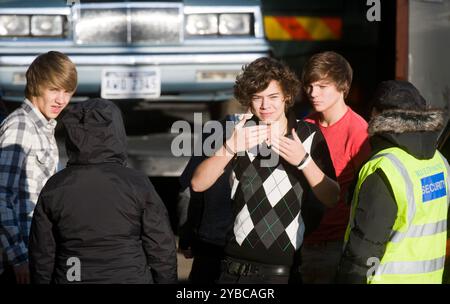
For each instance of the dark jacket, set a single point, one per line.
(100, 212)
(416, 133)
(209, 213)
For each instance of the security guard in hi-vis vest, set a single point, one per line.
(398, 224)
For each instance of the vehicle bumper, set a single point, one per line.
(182, 75)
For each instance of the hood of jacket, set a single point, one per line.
(416, 132)
(95, 133)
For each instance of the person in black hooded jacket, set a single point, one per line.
(97, 221)
(400, 118)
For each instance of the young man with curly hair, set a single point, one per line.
(281, 177)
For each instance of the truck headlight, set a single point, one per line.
(234, 24)
(14, 25)
(42, 25)
(202, 24)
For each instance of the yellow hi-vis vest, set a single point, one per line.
(415, 252)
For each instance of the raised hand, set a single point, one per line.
(245, 138)
(291, 150)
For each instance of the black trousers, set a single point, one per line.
(206, 263)
(227, 278)
(8, 277)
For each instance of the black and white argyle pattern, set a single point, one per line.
(268, 201)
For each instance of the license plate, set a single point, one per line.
(131, 83)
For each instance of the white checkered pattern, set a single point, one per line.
(243, 225)
(28, 157)
(277, 185)
(295, 231)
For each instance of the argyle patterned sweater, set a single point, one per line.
(274, 206)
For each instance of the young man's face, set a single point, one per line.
(268, 105)
(323, 95)
(52, 101)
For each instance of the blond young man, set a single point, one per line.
(326, 79)
(29, 155)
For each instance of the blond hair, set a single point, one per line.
(50, 70)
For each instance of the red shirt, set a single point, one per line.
(349, 147)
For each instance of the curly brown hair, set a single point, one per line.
(257, 75)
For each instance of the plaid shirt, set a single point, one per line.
(28, 157)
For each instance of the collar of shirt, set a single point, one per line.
(38, 118)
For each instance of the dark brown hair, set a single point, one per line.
(328, 66)
(256, 77)
(50, 70)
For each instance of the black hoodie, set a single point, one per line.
(416, 132)
(105, 215)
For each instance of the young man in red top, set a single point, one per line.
(326, 78)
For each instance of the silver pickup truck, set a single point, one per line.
(171, 53)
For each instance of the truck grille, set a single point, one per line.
(122, 26)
